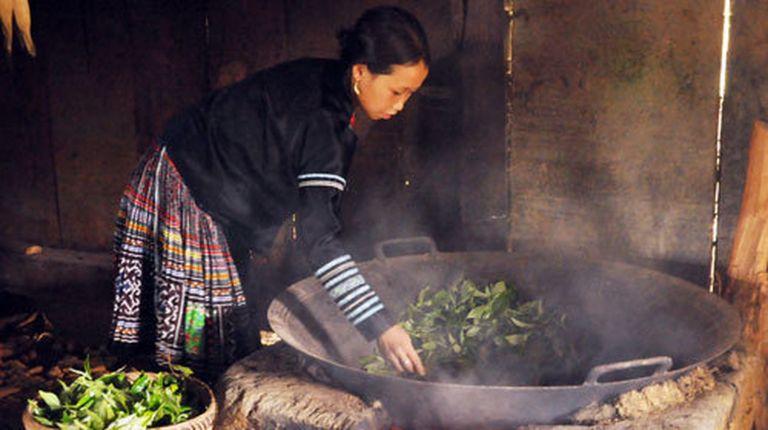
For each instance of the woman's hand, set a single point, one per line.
(395, 345)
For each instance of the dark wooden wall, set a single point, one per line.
(613, 124)
(110, 73)
(609, 148)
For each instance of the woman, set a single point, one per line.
(234, 167)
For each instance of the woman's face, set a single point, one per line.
(383, 96)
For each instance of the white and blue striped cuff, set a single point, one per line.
(343, 281)
(322, 180)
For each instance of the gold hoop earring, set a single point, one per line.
(356, 87)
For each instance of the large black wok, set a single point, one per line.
(634, 326)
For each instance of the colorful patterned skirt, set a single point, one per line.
(177, 289)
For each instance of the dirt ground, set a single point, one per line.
(34, 353)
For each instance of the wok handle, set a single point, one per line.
(663, 363)
(380, 248)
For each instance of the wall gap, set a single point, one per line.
(718, 145)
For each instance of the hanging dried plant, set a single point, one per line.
(18, 11)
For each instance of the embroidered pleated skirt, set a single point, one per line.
(177, 289)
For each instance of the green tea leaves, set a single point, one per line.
(112, 402)
(470, 325)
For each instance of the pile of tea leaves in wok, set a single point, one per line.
(484, 334)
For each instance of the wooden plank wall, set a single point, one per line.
(611, 138)
(28, 207)
(110, 73)
(91, 116)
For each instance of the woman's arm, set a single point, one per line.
(323, 164)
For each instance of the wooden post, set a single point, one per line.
(748, 266)
(748, 279)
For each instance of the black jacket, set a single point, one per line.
(277, 143)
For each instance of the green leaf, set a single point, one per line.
(473, 331)
(105, 409)
(87, 365)
(67, 426)
(50, 399)
(44, 421)
(441, 298)
(478, 312)
(140, 384)
(497, 305)
(32, 406)
(516, 339)
(479, 294)
(96, 423)
(68, 417)
(499, 288)
(521, 323)
(63, 385)
(186, 372)
(368, 359)
(83, 376)
(84, 401)
(422, 296)
(155, 400)
(129, 422)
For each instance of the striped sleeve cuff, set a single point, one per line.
(322, 180)
(359, 303)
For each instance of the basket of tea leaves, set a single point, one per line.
(120, 400)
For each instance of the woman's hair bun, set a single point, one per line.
(384, 36)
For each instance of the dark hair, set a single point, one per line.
(384, 36)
